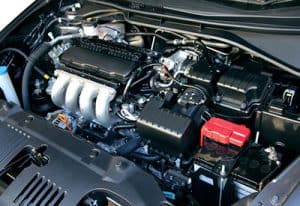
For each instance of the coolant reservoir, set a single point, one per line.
(7, 86)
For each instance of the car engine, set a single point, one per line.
(210, 122)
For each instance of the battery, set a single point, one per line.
(251, 171)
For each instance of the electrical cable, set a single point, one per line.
(138, 81)
(128, 84)
(105, 15)
(90, 14)
(147, 34)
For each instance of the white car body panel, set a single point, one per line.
(11, 9)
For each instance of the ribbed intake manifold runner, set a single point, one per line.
(82, 96)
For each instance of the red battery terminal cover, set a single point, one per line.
(224, 132)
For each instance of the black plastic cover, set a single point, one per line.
(97, 64)
(279, 130)
(201, 73)
(168, 131)
(75, 168)
(241, 90)
(102, 59)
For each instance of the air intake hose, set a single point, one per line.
(33, 58)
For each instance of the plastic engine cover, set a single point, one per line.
(74, 170)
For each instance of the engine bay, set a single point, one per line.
(211, 123)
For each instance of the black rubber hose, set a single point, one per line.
(129, 147)
(149, 158)
(32, 59)
(123, 126)
(21, 53)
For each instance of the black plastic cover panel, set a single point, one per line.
(201, 72)
(97, 64)
(75, 168)
(241, 90)
(167, 131)
(103, 59)
(279, 129)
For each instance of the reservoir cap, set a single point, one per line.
(3, 70)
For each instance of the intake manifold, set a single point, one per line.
(82, 96)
